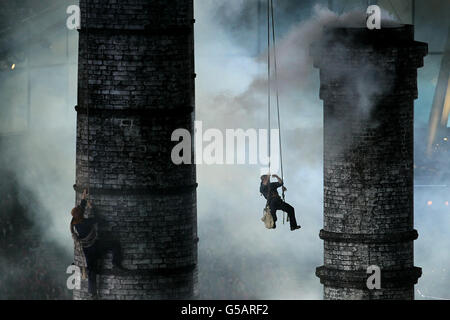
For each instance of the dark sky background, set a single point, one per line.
(238, 257)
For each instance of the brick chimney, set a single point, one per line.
(136, 82)
(368, 87)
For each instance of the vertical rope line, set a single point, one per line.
(277, 99)
(277, 91)
(268, 80)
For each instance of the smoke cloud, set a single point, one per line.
(238, 257)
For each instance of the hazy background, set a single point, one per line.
(238, 257)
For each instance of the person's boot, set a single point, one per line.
(295, 228)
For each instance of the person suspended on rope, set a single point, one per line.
(84, 231)
(269, 191)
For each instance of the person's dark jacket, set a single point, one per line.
(269, 191)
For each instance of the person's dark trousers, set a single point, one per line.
(286, 207)
(93, 254)
(273, 204)
(278, 204)
(91, 261)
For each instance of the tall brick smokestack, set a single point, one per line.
(136, 86)
(368, 87)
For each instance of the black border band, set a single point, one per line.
(358, 279)
(149, 272)
(175, 190)
(148, 113)
(369, 238)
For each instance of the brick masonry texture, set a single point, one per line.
(368, 85)
(136, 86)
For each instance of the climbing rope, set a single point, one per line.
(277, 91)
(271, 18)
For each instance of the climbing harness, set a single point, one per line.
(271, 27)
(87, 102)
